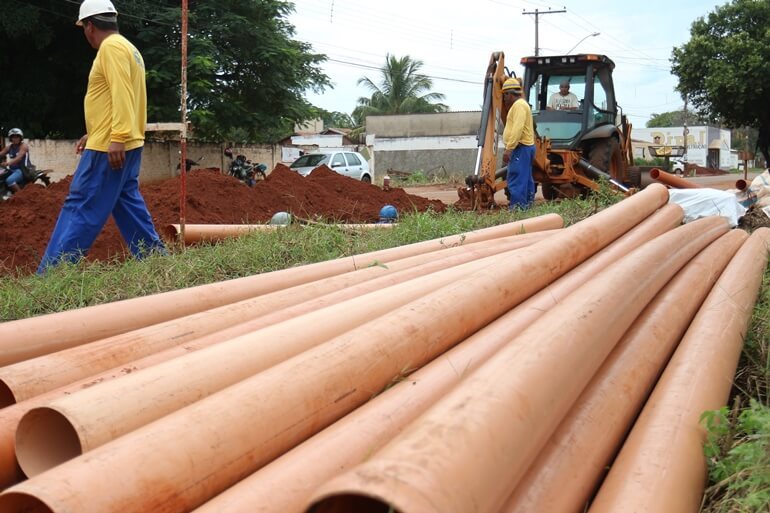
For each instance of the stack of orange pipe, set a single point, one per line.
(34, 382)
(257, 419)
(536, 342)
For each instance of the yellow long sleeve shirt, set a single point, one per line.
(518, 126)
(116, 100)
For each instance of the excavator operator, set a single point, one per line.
(519, 139)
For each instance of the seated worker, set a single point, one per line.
(563, 100)
(18, 155)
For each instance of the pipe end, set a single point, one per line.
(6, 395)
(22, 502)
(349, 503)
(45, 438)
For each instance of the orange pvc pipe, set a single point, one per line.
(195, 233)
(285, 484)
(396, 271)
(79, 422)
(487, 431)
(661, 466)
(672, 180)
(570, 466)
(257, 419)
(27, 338)
(29, 378)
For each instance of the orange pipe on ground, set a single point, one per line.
(284, 485)
(570, 466)
(32, 377)
(225, 437)
(662, 466)
(213, 232)
(672, 180)
(79, 422)
(195, 233)
(488, 430)
(409, 267)
(27, 338)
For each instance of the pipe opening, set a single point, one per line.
(6, 395)
(44, 439)
(655, 173)
(351, 503)
(22, 502)
(170, 232)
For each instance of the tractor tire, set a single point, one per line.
(550, 192)
(606, 155)
(635, 177)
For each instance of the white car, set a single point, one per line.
(678, 166)
(347, 163)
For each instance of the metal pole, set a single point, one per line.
(537, 13)
(183, 132)
(685, 133)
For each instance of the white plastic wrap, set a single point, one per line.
(699, 203)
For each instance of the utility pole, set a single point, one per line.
(537, 14)
(685, 132)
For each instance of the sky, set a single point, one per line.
(455, 39)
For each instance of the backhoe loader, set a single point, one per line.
(573, 148)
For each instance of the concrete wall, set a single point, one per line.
(159, 159)
(422, 125)
(436, 144)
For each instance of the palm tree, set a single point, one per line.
(402, 90)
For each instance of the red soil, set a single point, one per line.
(29, 217)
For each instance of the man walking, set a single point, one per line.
(106, 180)
(519, 139)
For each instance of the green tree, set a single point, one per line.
(674, 118)
(246, 74)
(336, 119)
(723, 67)
(402, 90)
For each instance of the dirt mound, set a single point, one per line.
(29, 217)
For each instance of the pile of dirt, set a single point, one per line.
(212, 198)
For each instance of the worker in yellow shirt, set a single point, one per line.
(106, 180)
(519, 139)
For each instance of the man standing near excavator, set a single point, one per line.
(106, 180)
(519, 139)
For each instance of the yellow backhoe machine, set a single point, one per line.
(574, 148)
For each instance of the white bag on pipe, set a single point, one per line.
(699, 203)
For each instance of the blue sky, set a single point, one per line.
(455, 39)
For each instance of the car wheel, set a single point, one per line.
(366, 179)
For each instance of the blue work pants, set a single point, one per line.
(97, 191)
(521, 186)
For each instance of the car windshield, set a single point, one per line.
(308, 160)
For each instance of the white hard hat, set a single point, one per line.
(94, 7)
(15, 131)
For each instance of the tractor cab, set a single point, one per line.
(572, 98)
